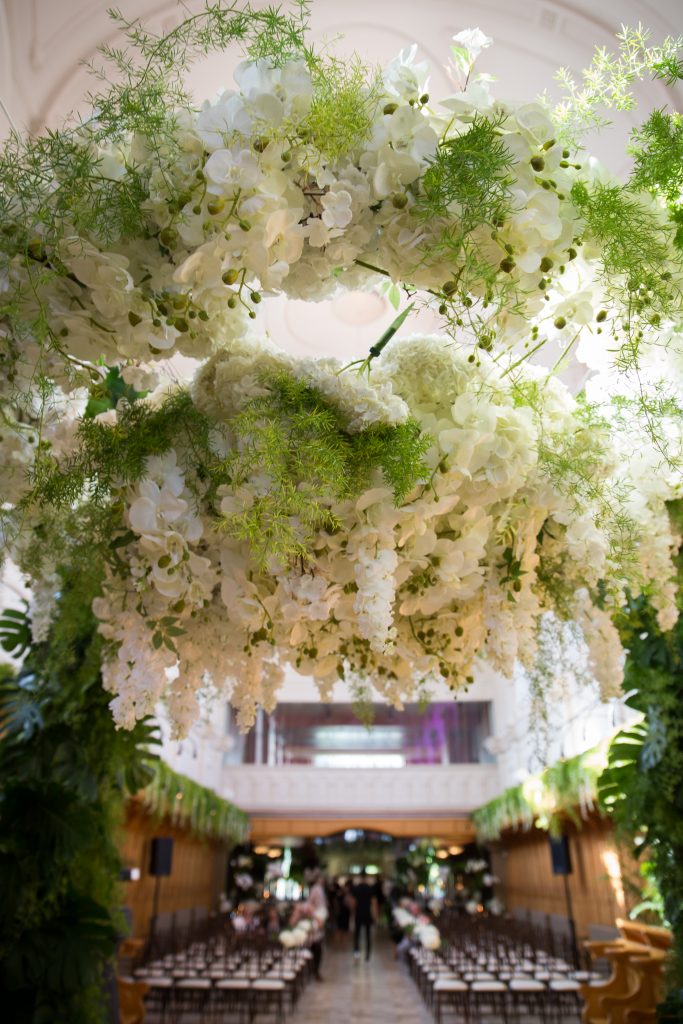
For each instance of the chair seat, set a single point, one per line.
(269, 985)
(157, 981)
(526, 985)
(488, 986)
(233, 984)
(450, 985)
(564, 985)
(198, 984)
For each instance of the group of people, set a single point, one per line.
(337, 909)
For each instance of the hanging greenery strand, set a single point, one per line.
(189, 805)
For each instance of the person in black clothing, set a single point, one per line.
(364, 915)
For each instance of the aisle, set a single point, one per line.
(380, 992)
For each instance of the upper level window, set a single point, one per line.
(330, 736)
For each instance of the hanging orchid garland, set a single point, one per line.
(391, 521)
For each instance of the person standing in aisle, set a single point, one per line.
(364, 915)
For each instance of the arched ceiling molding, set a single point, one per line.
(51, 40)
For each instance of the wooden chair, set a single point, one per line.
(131, 1000)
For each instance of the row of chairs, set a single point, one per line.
(244, 976)
(491, 970)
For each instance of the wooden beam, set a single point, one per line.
(446, 830)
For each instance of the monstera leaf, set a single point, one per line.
(623, 765)
(15, 632)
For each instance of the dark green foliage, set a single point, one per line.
(643, 784)
(657, 148)
(65, 770)
(109, 393)
(295, 437)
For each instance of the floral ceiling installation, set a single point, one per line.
(387, 522)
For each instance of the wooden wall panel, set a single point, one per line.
(198, 871)
(522, 862)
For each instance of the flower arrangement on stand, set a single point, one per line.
(416, 926)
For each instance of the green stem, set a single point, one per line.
(523, 359)
(396, 324)
(369, 266)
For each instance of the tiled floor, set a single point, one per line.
(355, 992)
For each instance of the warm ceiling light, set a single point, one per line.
(260, 851)
(442, 854)
(454, 850)
(274, 851)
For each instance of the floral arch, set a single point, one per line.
(387, 522)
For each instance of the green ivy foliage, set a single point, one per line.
(64, 771)
(642, 787)
(193, 807)
(546, 801)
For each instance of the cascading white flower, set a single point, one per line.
(468, 563)
(398, 595)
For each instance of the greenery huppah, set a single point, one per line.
(385, 523)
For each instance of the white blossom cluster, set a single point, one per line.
(247, 208)
(466, 566)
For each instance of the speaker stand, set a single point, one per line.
(572, 923)
(155, 909)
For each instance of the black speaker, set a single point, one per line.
(561, 858)
(161, 858)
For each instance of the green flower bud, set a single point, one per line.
(245, 225)
(390, 108)
(546, 264)
(560, 322)
(230, 276)
(232, 302)
(507, 265)
(168, 237)
(399, 200)
(537, 162)
(216, 205)
(255, 297)
(602, 315)
(134, 319)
